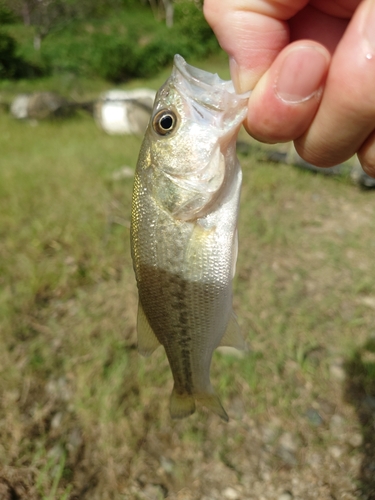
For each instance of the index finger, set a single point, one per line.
(252, 32)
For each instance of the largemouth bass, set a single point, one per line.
(184, 229)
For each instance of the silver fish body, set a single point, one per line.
(184, 229)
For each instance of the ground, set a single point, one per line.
(83, 416)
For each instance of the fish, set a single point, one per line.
(185, 208)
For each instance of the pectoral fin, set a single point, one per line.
(147, 341)
(232, 336)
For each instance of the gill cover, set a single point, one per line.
(194, 118)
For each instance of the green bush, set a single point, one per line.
(190, 37)
(130, 44)
(9, 62)
(6, 15)
(115, 58)
(12, 65)
(189, 21)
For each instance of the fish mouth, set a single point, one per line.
(209, 90)
(213, 99)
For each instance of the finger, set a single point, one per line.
(366, 155)
(284, 102)
(313, 24)
(346, 115)
(252, 33)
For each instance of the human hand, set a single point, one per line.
(311, 65)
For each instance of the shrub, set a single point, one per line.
(190, 22)
(115, 58)
(129, 45)
(9, 61)
(6, 15)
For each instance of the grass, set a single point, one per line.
(88, 418)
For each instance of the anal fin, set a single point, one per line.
(147, 341)
(232, 336)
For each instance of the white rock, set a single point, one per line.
(288, 441)
(56, 420)
(124, 111)
(286, 495)
(337, 426)
(231, 494)
(356, 440)
(335, 451)
(337, 371)
(19, 106)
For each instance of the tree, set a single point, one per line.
(49, 15)
(162, 9)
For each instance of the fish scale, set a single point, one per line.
(183, 230)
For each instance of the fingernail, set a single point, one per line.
(369, 24)
(301, 74)
(243, 80)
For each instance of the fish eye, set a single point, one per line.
(164, 122)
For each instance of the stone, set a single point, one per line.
(124, 111)
(335, 451)
(314, 417)
(336, 426)
(288, 441)
(337, 371)
(152, 492)
(40, 106)
(231, 494)
(287, 456)
(286, 495)
(356, 440)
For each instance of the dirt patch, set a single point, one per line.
(17, 484)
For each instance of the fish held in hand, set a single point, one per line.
(184, 229)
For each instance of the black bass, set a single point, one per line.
(184, 229)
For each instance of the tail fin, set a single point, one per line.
(181, 405)
(212, 402)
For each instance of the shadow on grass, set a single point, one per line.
(360, 392)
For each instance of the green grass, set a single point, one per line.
(89, 417)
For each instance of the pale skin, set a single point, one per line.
(311, 66)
